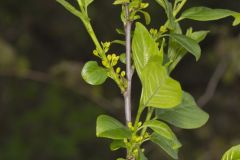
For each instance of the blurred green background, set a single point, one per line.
(48, 113)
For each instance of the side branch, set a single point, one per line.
(213, 83)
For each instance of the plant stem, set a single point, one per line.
(86, 21)
(148, 117)
(93, 36)
(179, 8)
(127, 94)
(139, 113)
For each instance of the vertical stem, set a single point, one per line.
(127, 94)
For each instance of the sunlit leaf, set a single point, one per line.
(232, 154)
(159, 90)
(144, 47)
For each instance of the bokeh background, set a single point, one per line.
(47, 112)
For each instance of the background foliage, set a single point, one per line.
(45, 107)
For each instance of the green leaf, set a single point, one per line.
(208, 14)
(159, 90)
(166, 145)
(123, 58)
(161, 3)
(93, 74)
(117, 144)
(121, 159)
(120, 31)
(237, 19)
(189, 44)
(144, 47)
(176, 52)
(142, 156)
(167, 6)
(187, 115)
(146, 16)
(108, 127)
(160, 128)
(232, 154)
(199, 36)
(121, 42)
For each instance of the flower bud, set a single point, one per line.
(139, 124)
(105, 64)
(118, 70)
(123, 73)
(109, 57)
(163, 29)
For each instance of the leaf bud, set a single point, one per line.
(95, 52)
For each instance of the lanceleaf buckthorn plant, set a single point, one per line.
(153, 54)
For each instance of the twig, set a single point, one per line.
(213, 83)
(127, 94)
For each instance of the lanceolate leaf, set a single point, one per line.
(169, 12)
(232, 154)
(159, 90)
(208, 14)
(199, 36)
(93, 74)
(146, 16)
(187, 115)
(177, 52)
(143, 48)
(189, 44)
(109, 127)
(166, 145)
